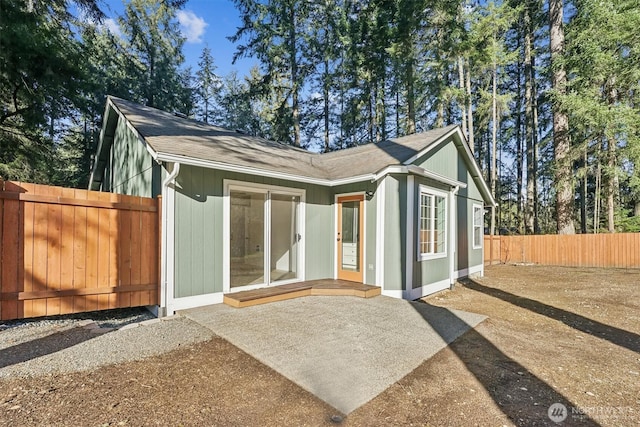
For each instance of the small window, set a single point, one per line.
(432, 237)
(478, 220)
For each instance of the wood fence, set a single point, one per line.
(65, 250)
(621, 250)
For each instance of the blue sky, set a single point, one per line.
(201, 21)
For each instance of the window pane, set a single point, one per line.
(350, 236)
(247, 238)
(284, 237)
(425, 223)
(440, 228)
(477, 226)
(477, 236)
(477, 216)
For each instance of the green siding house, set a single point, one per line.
(241, 212)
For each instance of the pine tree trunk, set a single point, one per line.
(325, 94)
(472, 144)
(463, 104)
(612, 182)
(295, 106)
(534, 92)
(519, 155)
(561, 142)
(583, 194)
(597, 193)
(411, 100)
(382, 111)
(397, 113)
(530, 130)
(494, 140)
(612, 185)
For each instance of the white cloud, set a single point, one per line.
(191, 26)
(113, 27)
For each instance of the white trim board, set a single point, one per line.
(169, 220)
(475, 206)
(380, 230)
(419, 292)
(196, 301)
(411, 230)
(465, 272)
(431, 288)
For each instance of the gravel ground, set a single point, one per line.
(63, 344)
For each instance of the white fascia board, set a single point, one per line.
(476, 170)
(103, 130)
(260, 172)
(351, 180)
(396, 169)
(417, 170)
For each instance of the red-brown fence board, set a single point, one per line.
(618, 250)
(68, 251)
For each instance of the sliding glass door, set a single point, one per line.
(284, 237)
(264, 237)
(247, 238)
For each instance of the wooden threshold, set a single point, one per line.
(325, 287)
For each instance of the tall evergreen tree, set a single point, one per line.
(42, 82)
(208, 85)
(562, 144)
(273, 34)
(154, 54)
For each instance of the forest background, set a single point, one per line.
(547, 92)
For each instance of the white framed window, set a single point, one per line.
(432, 223)
(478, 222)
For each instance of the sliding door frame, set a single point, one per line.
(267, 190)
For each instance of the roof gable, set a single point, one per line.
(457, 138)
(176, 139)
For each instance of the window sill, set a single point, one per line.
(428, 257)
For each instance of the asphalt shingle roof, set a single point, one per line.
(169, 134)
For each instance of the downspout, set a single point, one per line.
(454, 243)
(166, 291)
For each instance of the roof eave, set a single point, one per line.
(192, 161)
(475, 173)
(417, 170)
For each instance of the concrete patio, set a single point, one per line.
(343, 349)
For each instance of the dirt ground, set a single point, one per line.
(554, 335)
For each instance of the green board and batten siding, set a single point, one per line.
(445, 160)
(394, 232)
(131, 170)
(199, 228)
